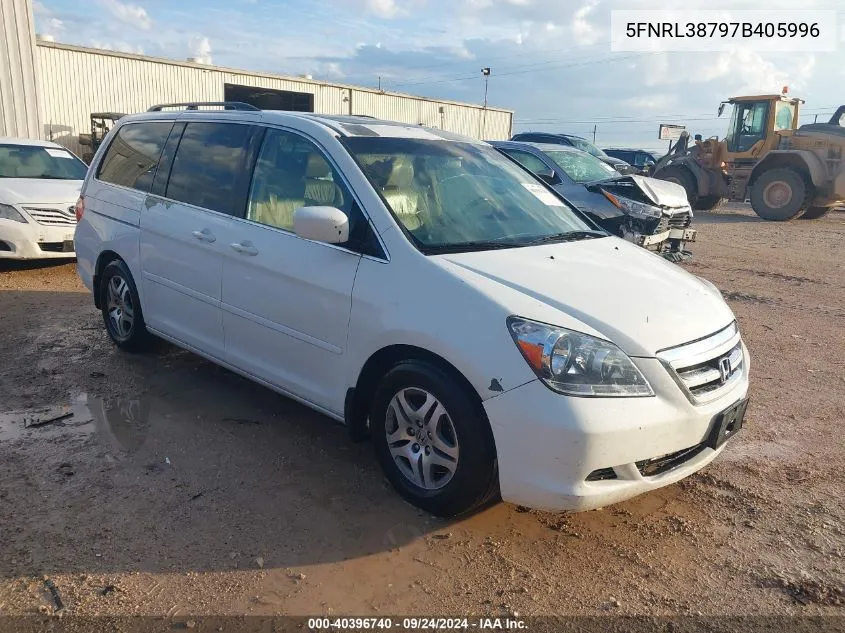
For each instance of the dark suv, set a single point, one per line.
(639, 158)
(579, 143)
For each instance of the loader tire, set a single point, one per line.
(708, 203)
(814, 213)
(681, 176)
(780, 195)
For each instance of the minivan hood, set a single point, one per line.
(38, 190)
(635, 298)
(660, 193)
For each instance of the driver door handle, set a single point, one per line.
(244, 248)
(204, 236)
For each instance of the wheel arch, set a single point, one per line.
(103, 260)
(358, 398)
(806, 163)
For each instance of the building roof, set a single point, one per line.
(241, 71)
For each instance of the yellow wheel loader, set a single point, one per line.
(786, 171)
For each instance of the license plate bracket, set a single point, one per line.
(727, 424)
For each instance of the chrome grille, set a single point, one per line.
(60, 215)
(707, 368)
(679, 220)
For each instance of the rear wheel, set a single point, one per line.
(433, 440)
(814, 213)
(779, 195)
(121, 308)
(708, 203)
(681, 176)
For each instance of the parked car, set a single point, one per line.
(642, 210)
(642, 160)
(39, 185)
(420, 287)
(575, 141)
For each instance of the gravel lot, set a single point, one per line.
(178, 488)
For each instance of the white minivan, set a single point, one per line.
(421, 288)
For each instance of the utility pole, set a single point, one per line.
(483, 125)
(595, 127)
(379, 83)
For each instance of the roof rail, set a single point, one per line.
(195, 105)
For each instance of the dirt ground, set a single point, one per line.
(177, 488)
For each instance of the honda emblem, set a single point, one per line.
(724, 369)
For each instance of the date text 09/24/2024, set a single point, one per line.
(416, 624)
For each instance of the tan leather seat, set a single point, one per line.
(277, 194)
(275, 211)
(401, 195)
(320, 190)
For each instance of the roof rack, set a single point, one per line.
(195, 105)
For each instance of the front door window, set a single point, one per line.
(748, 125)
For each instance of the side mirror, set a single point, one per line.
(321, 224)
(648, 163)
(546, 175)
(721, 109)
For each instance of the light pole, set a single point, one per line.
(483, 126)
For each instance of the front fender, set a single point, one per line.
(809, 161)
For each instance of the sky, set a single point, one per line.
(550, 60)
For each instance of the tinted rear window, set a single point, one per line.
(209, 167)
(132, 156)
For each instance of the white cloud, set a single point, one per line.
(383, 8)
(128, 13)
(201, 50)
(122, 47)
(584, 31)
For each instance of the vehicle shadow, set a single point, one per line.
(166, 462)
(729, 217)
(11, 265)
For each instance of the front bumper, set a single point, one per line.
(549, 444)
(35, 241)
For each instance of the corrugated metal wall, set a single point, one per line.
(74, 81)
(18, 96)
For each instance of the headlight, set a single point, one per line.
(10, 213)
(577, 364)
(632, 207)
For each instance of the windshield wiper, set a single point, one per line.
(569, 236)
(461, 247)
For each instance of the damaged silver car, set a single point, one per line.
(652, 213)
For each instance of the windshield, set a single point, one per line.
(586, 146)
(580, 166)
(453, 196)
(34, 161)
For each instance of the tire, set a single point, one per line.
(708, 203)
(814, 213)
(681, 176)
(436, 422)
(779, 195)
(121, 308)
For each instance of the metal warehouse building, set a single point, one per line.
(48, 90)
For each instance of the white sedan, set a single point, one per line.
(39, 185)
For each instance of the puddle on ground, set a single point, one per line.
(122, 424)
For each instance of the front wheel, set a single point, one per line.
(433, 440)
(680, 176)
(121, 308)
(708, 203)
